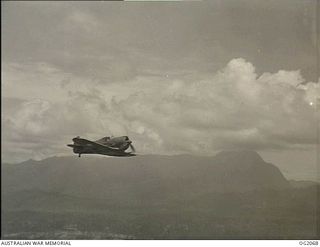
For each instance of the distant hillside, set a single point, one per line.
(233, 195)
(302, 183)
(148, 175)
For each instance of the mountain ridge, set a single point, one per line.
(227, 171)
(233, 195)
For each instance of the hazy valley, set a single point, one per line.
(233, 195)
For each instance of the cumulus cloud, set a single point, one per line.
(231, 108)
(83, 20)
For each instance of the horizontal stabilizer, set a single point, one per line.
(73, 145)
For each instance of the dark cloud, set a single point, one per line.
(113, 41)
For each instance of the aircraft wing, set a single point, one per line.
(85, 142)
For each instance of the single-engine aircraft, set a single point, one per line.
(111, 146)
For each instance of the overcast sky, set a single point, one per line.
(177, 77)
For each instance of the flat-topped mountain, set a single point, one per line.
(145, 175)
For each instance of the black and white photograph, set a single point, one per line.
(160, 120)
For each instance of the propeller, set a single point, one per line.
(132, 148)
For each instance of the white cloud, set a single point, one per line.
(33, 81)
(83, 21)
(232, 108)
